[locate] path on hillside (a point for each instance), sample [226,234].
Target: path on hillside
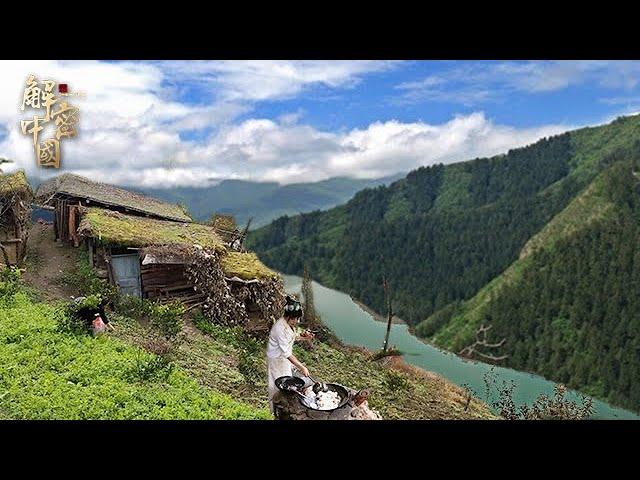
[47,262]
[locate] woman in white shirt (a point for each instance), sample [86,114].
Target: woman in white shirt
[280,357]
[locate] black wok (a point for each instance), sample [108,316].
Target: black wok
[297,384]
[290,384]
[331,387]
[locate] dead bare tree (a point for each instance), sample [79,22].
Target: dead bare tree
[481,342]
[243,235]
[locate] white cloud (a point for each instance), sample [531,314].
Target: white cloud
[474,83]
[259,80]
[133,133]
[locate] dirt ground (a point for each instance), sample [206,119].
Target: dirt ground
[47,262]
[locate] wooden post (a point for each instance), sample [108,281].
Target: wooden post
[389,313]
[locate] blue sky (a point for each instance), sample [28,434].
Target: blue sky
[193,123]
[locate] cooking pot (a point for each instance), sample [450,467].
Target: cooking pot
[296,384]
[331,387]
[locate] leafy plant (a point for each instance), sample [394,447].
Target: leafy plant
[9,283]
[85,280]
[167,318]
[396,381]
[46,373]
[67,316]
[150,368]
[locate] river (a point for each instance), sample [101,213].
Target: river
[354,326]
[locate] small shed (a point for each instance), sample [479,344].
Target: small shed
[15,211]
[167,260]
[66,193]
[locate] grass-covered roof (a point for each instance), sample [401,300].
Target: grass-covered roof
[246,266]
[114,228]
[16,182]
[117,229]
[77,186]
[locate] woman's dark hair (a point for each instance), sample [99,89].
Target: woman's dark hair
[292,308]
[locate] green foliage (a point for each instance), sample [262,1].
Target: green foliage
[250,350]
[558,407]
[166,318]
[49,374]
[66,314]
[9,284]
[396,381]
[84,279]
[150,368]
[251,361]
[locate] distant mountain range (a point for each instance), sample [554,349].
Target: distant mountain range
[265,201]
[531,258]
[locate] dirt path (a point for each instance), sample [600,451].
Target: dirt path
[47,262]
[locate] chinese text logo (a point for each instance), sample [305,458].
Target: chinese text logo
[63,115]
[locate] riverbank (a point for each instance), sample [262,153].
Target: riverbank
[395,320]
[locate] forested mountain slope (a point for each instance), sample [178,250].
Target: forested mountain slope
[443,232]
[569,307]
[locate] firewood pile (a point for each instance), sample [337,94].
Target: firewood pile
[225,300]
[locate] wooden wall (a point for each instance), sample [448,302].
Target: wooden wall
[14,236]
[66,221]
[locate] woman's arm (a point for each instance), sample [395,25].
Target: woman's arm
[298,365]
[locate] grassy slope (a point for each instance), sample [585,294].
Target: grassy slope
[228,361]
[591,205]
[49,374]
[46,373]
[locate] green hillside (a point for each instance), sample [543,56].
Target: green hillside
[569,307]
[538,243]
[443,232]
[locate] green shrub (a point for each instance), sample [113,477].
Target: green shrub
[150,368]
[396,381]
[85,280]
[250,362]
[9,284]
[250,350]
[67,318]
[167,318]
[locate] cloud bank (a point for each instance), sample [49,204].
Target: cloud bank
[135,125]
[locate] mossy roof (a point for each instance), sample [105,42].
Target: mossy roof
[114,228]
[245,265]
[15,182]
[109,195]
[117,229]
